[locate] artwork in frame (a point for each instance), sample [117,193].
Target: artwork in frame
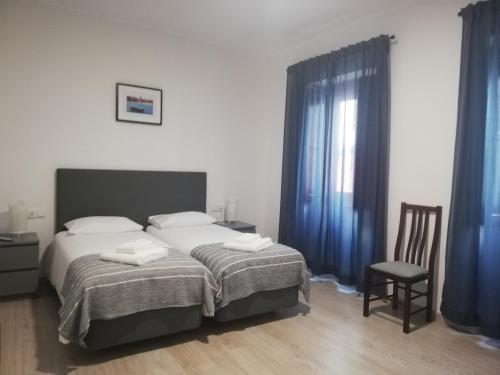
[138,104]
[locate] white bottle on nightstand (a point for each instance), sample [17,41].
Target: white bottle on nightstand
[18,213]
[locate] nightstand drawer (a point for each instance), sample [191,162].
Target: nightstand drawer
[18,282]
[18,257]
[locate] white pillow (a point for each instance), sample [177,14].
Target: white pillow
[181,219]
[102,224]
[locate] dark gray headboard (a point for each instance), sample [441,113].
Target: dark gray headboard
[134,194]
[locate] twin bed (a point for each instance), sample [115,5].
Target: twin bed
[106,304]
[276,272]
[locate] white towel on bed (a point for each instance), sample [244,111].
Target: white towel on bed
[253,246]
[138,246]
[248,237]
[145,257]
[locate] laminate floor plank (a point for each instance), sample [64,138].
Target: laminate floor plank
[331,337]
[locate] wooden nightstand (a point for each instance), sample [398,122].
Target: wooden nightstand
[240,226]
[19,264]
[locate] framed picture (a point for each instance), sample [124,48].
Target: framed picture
[138,104]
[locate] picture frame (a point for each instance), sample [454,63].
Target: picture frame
[139,104]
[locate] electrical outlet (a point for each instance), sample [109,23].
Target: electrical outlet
[36,213]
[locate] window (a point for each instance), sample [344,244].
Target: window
[315,147]
[345,147]
[343,143]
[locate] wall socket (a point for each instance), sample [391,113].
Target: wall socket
[37,213]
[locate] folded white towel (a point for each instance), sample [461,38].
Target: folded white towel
[253,247]
[134,247]
[145,257]
[248,237]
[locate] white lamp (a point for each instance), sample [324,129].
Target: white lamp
[18,213]
[231,209]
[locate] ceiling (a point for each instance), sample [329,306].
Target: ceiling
[253,26]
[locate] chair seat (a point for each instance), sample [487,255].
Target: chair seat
[401,269]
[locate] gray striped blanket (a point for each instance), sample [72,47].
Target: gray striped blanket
[95,289]
[239,273]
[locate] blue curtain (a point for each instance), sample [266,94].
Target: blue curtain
[335,160]
[471,293]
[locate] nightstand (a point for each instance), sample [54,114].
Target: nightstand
[19,264]
[240,226]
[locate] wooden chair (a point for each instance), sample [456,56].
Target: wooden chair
[409,267]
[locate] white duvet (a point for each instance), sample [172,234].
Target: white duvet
[67,247]
[186,239]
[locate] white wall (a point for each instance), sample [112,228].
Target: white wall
[224,112]
[58,71]
[424,90]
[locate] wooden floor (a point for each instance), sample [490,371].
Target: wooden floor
[330,338]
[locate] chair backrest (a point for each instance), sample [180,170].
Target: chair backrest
[414,247]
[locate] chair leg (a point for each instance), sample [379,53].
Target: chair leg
[430,298]
[407,308]
[395,297]
[368,284]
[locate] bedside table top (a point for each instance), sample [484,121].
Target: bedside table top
[20,240]
[236,225]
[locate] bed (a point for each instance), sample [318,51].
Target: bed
[138,195]
[132,194]
[248,283]
[91,289]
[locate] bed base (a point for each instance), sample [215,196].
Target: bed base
[259,303]
[140,326]
[155,323]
